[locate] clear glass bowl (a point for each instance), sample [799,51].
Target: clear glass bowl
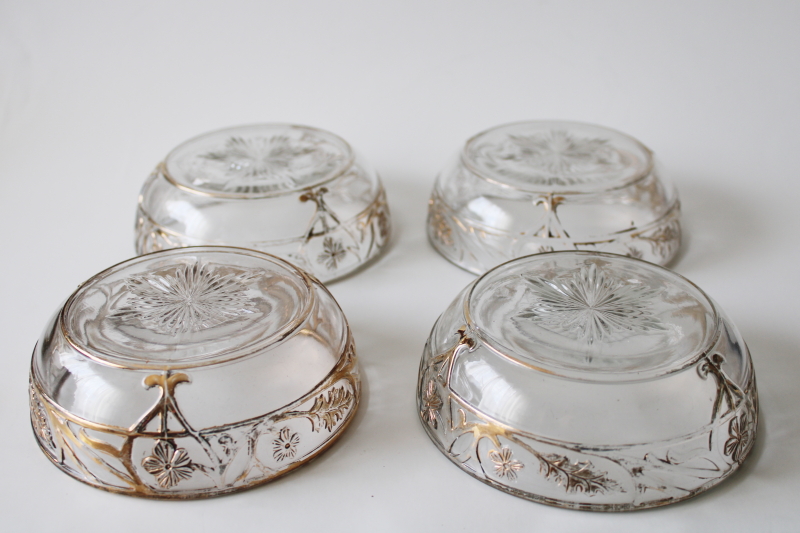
[533,187]
[193,372]
[296,192]
[589,381]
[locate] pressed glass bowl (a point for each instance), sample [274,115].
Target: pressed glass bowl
[296,192]
[191,373]
[589,381]
[533,187]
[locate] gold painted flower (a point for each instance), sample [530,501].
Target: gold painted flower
[739,441]
[285,446]
[431,403]
[504,465]
[168,464]
[332,253]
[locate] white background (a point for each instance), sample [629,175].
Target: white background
[94,94]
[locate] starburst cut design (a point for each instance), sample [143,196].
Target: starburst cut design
[263,164]
[189,298]
[554,158]
[591,306]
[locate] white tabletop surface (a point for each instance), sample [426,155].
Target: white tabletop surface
[94,94]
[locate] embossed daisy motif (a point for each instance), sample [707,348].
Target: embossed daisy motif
[333,252]
[285,446]
[737,444]
[504,465]
[431,403]
[263,164]
[188,298]
[592,305]
[168,464]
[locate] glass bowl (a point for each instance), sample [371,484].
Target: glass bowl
[533,187]
[589,381]
[191,373]
[296,192]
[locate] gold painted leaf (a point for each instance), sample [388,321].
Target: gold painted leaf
[576,477]
[329,409]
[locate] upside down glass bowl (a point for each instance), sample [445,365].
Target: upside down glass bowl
[191,373]
[296,192]
[589,381]
[533,187]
